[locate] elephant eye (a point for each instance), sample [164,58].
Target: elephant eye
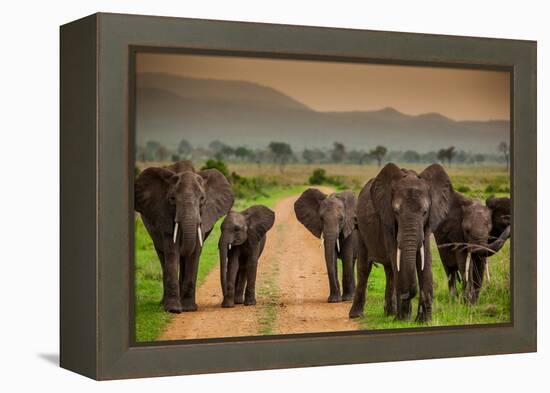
[172,199]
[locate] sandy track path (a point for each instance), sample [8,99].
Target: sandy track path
[291,286]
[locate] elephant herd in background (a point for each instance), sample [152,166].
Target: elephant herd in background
[390,223]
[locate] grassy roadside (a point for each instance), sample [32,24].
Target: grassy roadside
[150,317]
[493,305]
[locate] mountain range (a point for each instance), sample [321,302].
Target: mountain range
[171,108]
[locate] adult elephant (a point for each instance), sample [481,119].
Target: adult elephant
[396,213]
[470,233]
[179,207]
[332,219]
[241,244]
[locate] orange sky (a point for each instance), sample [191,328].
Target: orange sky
[330,86]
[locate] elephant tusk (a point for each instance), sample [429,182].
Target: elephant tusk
[422,258]
[229,246]
[322,241]
[337,244]
[175,231]
[467,267]
[398,259]
[200,235]
[487,272]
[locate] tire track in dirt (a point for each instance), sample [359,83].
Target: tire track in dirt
[292,289]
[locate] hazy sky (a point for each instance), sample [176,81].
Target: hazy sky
[330,86]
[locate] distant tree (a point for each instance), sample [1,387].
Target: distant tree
[243,153]
[338,152]
[216,146]
[151,150]
[411,156]
[357,156]
[184,148]
[282,153]
[162,153]
[461,157]
[310,156]
[505,150]
[446,155]
[479,158]
[140,153]
[378,154]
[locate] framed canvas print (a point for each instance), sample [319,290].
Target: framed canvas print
[240,196]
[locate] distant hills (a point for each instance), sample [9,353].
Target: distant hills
[170,108]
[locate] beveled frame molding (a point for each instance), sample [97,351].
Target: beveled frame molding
[96,195]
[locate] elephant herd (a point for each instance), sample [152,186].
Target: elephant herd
[391,222]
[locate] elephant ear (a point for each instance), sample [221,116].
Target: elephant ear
[350,200]
[259,220]
[219,198]
[307,210]
[381,194]
[440,194]
[150,193]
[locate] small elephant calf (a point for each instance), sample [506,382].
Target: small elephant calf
[241,244]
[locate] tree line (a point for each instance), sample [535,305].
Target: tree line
[282,153]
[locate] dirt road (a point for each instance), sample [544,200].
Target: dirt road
[292,289]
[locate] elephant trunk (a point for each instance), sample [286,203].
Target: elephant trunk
[494,247]
[408,247]
[189,233]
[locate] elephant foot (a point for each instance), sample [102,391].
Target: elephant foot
[356,312]
[239,299]
[250,301]
[172,305]
[347,297]
[334,298]
[228,303]
[189,305]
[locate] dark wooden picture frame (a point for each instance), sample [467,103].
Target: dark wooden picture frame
[97,168]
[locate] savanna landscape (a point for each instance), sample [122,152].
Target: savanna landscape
[216,135]
[281,308]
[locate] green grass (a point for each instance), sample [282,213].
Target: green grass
[150,316]
[493,305]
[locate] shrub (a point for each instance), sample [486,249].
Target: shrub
[463,188]
[319,176]
[219,165]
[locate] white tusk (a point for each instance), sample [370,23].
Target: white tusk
[200,235]
[398,258]
[422,257]
[322,241]
[176,231]
[487,271]
[230,246]
[467,267]
[337,244]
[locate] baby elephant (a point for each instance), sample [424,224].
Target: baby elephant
[241,244]
[332,219]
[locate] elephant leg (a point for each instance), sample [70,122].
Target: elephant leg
[425,283]
[161,260]
[171,299]
[189,281]
[390,300]
[478,272]
[363,271]
[241,282]
[232,270]
[452,283]
[251,269]
[348,277]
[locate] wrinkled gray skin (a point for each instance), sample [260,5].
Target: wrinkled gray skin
[400,209]
[193,200]
[332,216]
[245,233]
[466,238]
